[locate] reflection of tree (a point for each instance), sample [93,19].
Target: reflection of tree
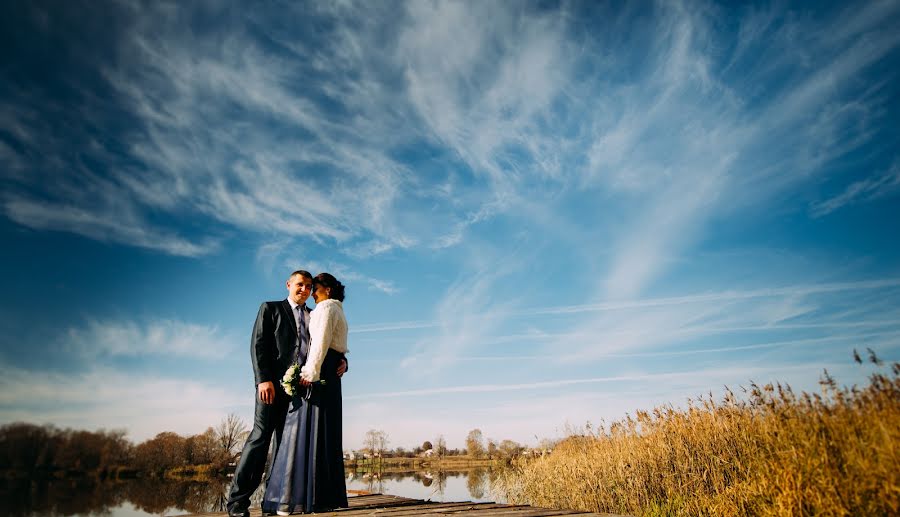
[438,484]
[494,483]
[63,498]
[475,482]
[372,481]
[257,497]
[20,498]
[205,497]
[157,495]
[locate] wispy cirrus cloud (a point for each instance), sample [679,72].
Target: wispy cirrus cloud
[778,294]
[342,272]
[791,320]
[104,398]
[111,226]
[156,337]
[662,325]
[868,189]
[461,327]
[319,135]
[691,141]
[741,374]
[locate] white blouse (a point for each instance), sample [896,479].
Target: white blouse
[327,329]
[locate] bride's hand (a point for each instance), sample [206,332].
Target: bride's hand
[304,382]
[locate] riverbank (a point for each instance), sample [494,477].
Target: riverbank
[404,464]
[208,471]
[184,473]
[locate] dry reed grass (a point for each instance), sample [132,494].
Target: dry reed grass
[771,453]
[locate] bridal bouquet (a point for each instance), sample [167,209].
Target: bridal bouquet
[291,381]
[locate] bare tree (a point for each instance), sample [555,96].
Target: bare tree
[475,443]
[440,446]
[370,442]
[228,435]
[491,447]
[202,449]
[383,441]
[376,441]
[510,449]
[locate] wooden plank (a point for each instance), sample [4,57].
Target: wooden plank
[425,508]
[494,509]
[383,505]
[517,512]
[369,498]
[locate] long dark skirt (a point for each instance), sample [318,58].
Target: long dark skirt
[308,469]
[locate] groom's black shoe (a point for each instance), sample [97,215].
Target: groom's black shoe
[238,512]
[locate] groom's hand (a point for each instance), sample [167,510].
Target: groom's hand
[342,368]
[266,392]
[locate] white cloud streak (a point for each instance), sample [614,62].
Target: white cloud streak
[162,338]
[795,291]
[109,399]
[342,272]
[861,191]
[741,373]
[121,227]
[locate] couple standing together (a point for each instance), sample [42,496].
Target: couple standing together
[307,472]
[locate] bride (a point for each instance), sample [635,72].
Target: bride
[307,472]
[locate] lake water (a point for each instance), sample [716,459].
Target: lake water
[155,497]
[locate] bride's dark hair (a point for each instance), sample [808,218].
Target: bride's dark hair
[328,280]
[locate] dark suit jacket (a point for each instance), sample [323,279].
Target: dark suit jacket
[274,341]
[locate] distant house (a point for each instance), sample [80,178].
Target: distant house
[429,453]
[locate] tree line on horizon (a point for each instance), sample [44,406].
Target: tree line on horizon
[44,450]
[375,444]
[32,450]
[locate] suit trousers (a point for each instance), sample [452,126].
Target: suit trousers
[267,419]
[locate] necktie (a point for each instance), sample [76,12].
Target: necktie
[302,335]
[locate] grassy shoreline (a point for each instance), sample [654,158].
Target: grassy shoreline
[407,464]
[208,471]
[777,453]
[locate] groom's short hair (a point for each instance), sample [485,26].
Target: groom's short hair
[303,273]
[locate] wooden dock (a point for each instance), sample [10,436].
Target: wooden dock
[395,506]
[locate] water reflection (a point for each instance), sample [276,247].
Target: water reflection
[89,497]
[71,498]
[437,485]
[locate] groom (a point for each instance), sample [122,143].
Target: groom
[280,337]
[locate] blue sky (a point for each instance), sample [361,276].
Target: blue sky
[545,213]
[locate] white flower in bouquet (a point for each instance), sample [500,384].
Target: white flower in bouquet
[291,379]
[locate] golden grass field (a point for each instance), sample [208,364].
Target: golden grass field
[772,452]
